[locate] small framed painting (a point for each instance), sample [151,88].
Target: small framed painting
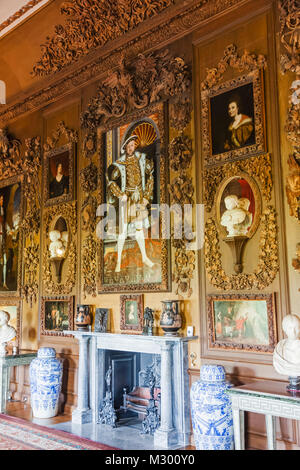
[101,320]
[132,312]
[233,118]
[245,321]
[57,315]
[59,174]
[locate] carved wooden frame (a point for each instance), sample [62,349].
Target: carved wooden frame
[68,212]
[257,196]
[11,301]
[4,183]
[71,148]
[70,300]
[140,306]
[256,78]
[271,312]
[165,284]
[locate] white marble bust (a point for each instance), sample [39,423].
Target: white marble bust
[56,247]
[7,332]
[286,357]
[234,218]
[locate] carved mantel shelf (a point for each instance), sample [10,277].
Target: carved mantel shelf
[176,22]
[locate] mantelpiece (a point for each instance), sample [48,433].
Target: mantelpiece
[175,426]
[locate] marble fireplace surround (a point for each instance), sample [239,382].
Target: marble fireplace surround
[175,428]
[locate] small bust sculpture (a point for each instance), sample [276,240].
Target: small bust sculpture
[234,218]
[7,332]
[56,247]
[286,357]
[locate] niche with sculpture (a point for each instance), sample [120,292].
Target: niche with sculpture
[238,210]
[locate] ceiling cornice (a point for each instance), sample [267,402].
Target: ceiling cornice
[159,31]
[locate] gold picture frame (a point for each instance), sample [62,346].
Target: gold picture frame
[131,308]
[57,315]
[225,139]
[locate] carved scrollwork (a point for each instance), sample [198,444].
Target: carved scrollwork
[245,63]
[68,212]
[147,80]
[89,266]
[10,163]
[293,187]
[61,130]
[268,261]
[92,24]
[180,153]
[259,168]
[289,17]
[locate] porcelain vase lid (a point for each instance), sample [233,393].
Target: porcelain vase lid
[212,373]
[46,352]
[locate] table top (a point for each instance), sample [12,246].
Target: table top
[276,390]
[21,356]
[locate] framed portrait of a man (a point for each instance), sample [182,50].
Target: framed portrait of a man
[133,251]
[233,118]
[57,315]
[11,215]
[59,174]
[131,312]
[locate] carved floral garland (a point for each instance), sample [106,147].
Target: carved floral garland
[268,264]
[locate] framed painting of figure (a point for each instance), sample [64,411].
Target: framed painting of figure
[233,118]
[131,312]
[59,174]
[57,315]
[238,206]
[12,308]
[245,322]
[133,248]
[11,215]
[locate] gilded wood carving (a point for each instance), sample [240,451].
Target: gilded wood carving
[92,24]
[268,261]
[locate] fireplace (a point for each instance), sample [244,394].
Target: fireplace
[128,355]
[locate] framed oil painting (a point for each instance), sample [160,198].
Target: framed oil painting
[57,315]
[233,118]
[133,251]
[131,312]
[238,206]
[244,322]
[11,216]
[13,308]
[59,174]
[101,324]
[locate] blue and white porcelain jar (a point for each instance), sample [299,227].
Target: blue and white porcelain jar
[45,383]
[211,410]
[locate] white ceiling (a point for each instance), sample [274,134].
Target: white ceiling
[10,7]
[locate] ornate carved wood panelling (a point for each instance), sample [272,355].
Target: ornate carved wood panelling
[92,24]
[289,35]
[61,130]
[268,261]
[10,163]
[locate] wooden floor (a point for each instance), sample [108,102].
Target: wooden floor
[21,410]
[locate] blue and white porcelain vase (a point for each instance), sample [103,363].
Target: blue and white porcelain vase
[45,383]
[211,410]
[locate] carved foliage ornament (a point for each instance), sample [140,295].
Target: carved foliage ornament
[90,24]
[289,17]
[147,80]
[259,168]
[10,163]
[61,130]
[68,212]
[268,263]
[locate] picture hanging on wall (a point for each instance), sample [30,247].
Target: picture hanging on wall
[244,322]
[59,174]
[133,251]
[233,118]
[11,215]
[13,308]
[131,312]
[57,315]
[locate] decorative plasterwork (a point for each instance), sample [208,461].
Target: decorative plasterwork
[177,24]
[61,130]
[92,24]
[68,212]
[268,261]
[146,80]
[259,168]
[22,12]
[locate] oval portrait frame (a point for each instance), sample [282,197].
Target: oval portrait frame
[257,197]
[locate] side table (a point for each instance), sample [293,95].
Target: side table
[11,360]
[268,398]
